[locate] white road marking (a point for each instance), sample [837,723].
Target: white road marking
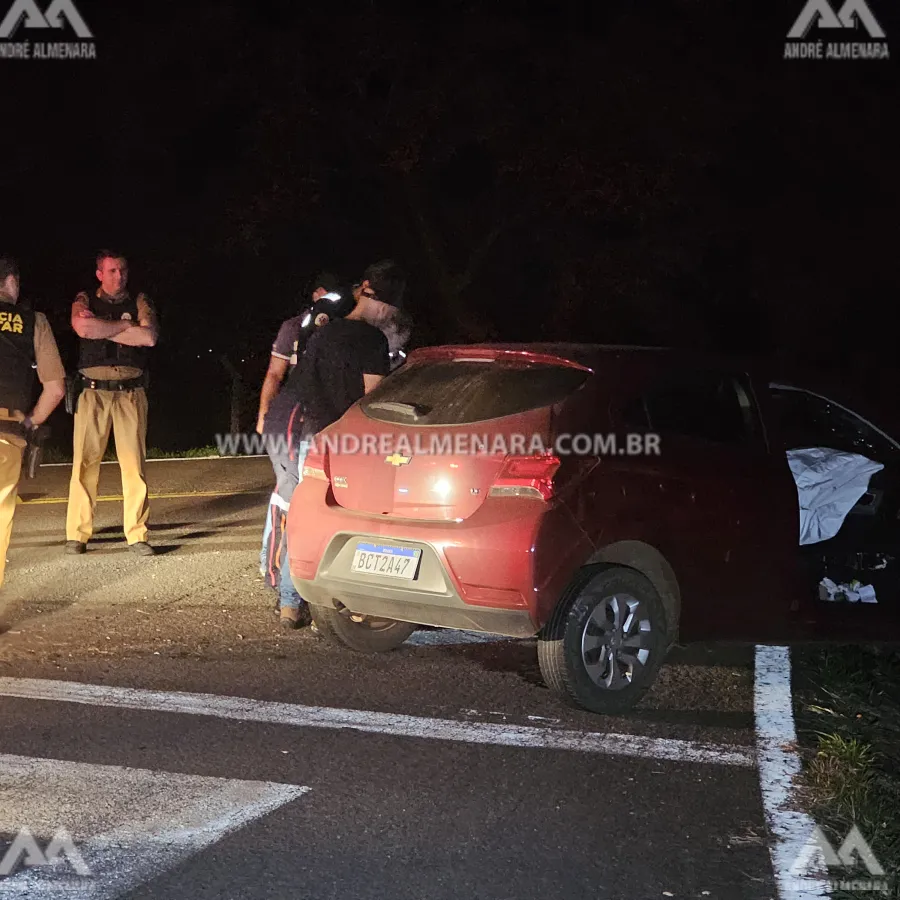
[249,710]
[130,825]
[779,765]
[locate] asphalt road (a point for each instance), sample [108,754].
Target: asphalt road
[152,710]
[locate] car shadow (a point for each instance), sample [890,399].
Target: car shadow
[702,718]
[508,656]
[519,657]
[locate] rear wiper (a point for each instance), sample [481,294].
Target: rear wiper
[413,410]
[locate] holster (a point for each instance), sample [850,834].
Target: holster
[34,450]
[74,386]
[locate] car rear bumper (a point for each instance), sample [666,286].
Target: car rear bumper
[432,599]
[500,571]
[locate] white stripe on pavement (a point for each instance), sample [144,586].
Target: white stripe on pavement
[779,765]
[393,724]
[126,826]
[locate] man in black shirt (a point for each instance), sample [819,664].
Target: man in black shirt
[343,361]
[348,358]
[340,367]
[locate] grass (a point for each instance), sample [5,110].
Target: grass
[848,724]
[194,452]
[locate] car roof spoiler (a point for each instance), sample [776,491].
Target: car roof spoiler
[488,354]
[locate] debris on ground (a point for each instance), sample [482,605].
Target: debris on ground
[854,592]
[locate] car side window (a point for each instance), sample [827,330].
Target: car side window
[709,406]
[806,420]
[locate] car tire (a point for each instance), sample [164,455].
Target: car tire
[612,613]
[338,627]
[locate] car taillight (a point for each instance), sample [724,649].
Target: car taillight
[316,467]
[526,476]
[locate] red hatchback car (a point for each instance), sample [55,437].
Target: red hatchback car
[609,500]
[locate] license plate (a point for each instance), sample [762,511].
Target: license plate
[382,559]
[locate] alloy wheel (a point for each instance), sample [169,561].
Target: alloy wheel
[615,642]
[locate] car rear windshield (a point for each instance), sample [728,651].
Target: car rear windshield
[460,393]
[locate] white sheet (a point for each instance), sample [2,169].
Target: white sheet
[829,484]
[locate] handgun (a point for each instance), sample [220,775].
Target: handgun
[35,449]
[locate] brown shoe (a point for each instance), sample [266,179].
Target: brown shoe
[290,618]
[142,548]
[76,546]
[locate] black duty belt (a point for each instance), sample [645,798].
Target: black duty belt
[96,384]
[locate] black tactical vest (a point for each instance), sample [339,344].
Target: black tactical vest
[17,362]
[109,353]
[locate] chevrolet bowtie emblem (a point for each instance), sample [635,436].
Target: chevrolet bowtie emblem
[398,460]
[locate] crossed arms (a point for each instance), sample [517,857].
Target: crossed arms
[143,333]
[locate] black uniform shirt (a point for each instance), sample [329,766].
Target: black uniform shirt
[328,379]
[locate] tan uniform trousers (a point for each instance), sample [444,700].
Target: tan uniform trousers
[125,414]
[10,469]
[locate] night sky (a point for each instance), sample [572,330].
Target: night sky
[648,173]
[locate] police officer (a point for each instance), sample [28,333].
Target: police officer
[115,331]
[26,344]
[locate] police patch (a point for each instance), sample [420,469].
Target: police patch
[11,322]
